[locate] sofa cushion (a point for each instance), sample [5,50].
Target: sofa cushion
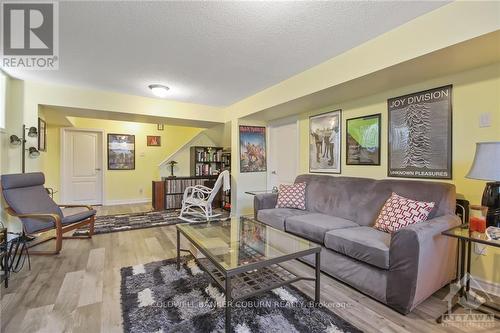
[362,243]
[314,226]
[275,217]
[399,212]
[292,196]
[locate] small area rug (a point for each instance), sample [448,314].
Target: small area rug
[122,222]
[155,297]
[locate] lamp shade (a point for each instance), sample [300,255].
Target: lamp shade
[486,165]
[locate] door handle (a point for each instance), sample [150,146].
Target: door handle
[273,172]
[97,169]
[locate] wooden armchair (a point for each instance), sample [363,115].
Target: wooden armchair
[28,200]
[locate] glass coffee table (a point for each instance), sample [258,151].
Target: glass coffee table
[243,257]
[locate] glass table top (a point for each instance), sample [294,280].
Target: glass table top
[241,242]
[463,232]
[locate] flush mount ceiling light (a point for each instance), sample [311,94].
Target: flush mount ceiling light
[159,90]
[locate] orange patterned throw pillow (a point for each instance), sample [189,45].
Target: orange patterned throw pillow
[292,196]
[399,212]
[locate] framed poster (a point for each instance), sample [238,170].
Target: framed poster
[420,134]
[42,135]
[363,140]
[253,149]
[324,142]
[121,152]
[153,140]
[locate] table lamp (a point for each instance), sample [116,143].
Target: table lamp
[486,166]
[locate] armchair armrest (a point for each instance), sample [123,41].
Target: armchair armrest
[55,217]
[421,261]
[76,206]
[264,201]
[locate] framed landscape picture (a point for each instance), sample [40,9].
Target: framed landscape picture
[153,140]
[324,142]
[253,149]
[121,152]
[363,140]
[420,134]
[42,135]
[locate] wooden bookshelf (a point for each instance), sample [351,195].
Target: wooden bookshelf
[171,190]
[208,161]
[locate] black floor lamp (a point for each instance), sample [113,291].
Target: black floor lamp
[486,166]
[32,132]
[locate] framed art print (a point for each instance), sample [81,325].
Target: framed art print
[153,140]
[42,135]
[121,152]
[363,140]
[253,149]
[420,134]
[324,142]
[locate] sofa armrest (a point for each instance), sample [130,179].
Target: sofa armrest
[421,261]
[264,201]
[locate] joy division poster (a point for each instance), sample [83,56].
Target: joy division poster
[420,134]
[121,152]
[324,142]
[363,140]
[252,149]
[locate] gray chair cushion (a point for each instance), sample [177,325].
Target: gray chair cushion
[275,217]
[362,243]
[78,217]
[25,194]
[314,226]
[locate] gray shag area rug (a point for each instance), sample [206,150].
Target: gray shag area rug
[122,222]
[155,297]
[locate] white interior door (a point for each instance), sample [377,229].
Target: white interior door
[283,152]
[82,167]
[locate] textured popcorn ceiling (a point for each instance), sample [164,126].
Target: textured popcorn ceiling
[213,53]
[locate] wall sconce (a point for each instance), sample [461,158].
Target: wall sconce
[32,132]
[33,152]
[15,140]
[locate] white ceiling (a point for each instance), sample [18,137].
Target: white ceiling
[213,53]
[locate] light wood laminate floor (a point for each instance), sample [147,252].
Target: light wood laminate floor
[79,289]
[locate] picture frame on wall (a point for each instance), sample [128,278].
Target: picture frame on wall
[121,152]
[420,134]
[325,132]
[252,148]
[153,141]
[363,140]
[42,135]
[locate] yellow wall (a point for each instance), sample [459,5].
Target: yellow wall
[474,92]
[121,185]
[433,31]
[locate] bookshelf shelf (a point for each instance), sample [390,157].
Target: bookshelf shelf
[208,161]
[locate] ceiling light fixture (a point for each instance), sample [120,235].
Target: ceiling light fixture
[159,90]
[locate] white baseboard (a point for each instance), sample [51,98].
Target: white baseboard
[126,201]
[490,287]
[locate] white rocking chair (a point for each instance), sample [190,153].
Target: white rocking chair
[197,200]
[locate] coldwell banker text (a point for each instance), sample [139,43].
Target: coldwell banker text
[30,35]
[428,97]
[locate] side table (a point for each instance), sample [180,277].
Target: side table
[466,240]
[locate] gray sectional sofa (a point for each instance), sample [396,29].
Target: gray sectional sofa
[400,270]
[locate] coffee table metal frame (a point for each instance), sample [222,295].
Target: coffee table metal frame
[251,279]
